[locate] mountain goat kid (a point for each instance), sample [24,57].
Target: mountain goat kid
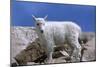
[55,33]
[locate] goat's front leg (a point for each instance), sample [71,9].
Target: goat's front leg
[49,52]
[49,58]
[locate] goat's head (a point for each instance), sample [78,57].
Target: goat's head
[39,23]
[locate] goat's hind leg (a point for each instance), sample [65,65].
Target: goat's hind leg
[76,54]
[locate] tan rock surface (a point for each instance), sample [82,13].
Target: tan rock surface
[26,49]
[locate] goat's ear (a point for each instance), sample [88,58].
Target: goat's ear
[34,17]
[45,17]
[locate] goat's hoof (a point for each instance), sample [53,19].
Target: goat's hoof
[47,61]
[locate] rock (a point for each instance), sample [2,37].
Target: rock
[26,48]
[35,53]
[86,36]
[20,39]
[90,53]
[30,53]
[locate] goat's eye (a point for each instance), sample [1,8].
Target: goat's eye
[41,31]
[37,24]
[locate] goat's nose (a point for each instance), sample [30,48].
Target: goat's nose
[41,31]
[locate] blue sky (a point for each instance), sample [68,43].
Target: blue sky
[21,13]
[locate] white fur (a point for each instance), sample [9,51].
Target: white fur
[58,33]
